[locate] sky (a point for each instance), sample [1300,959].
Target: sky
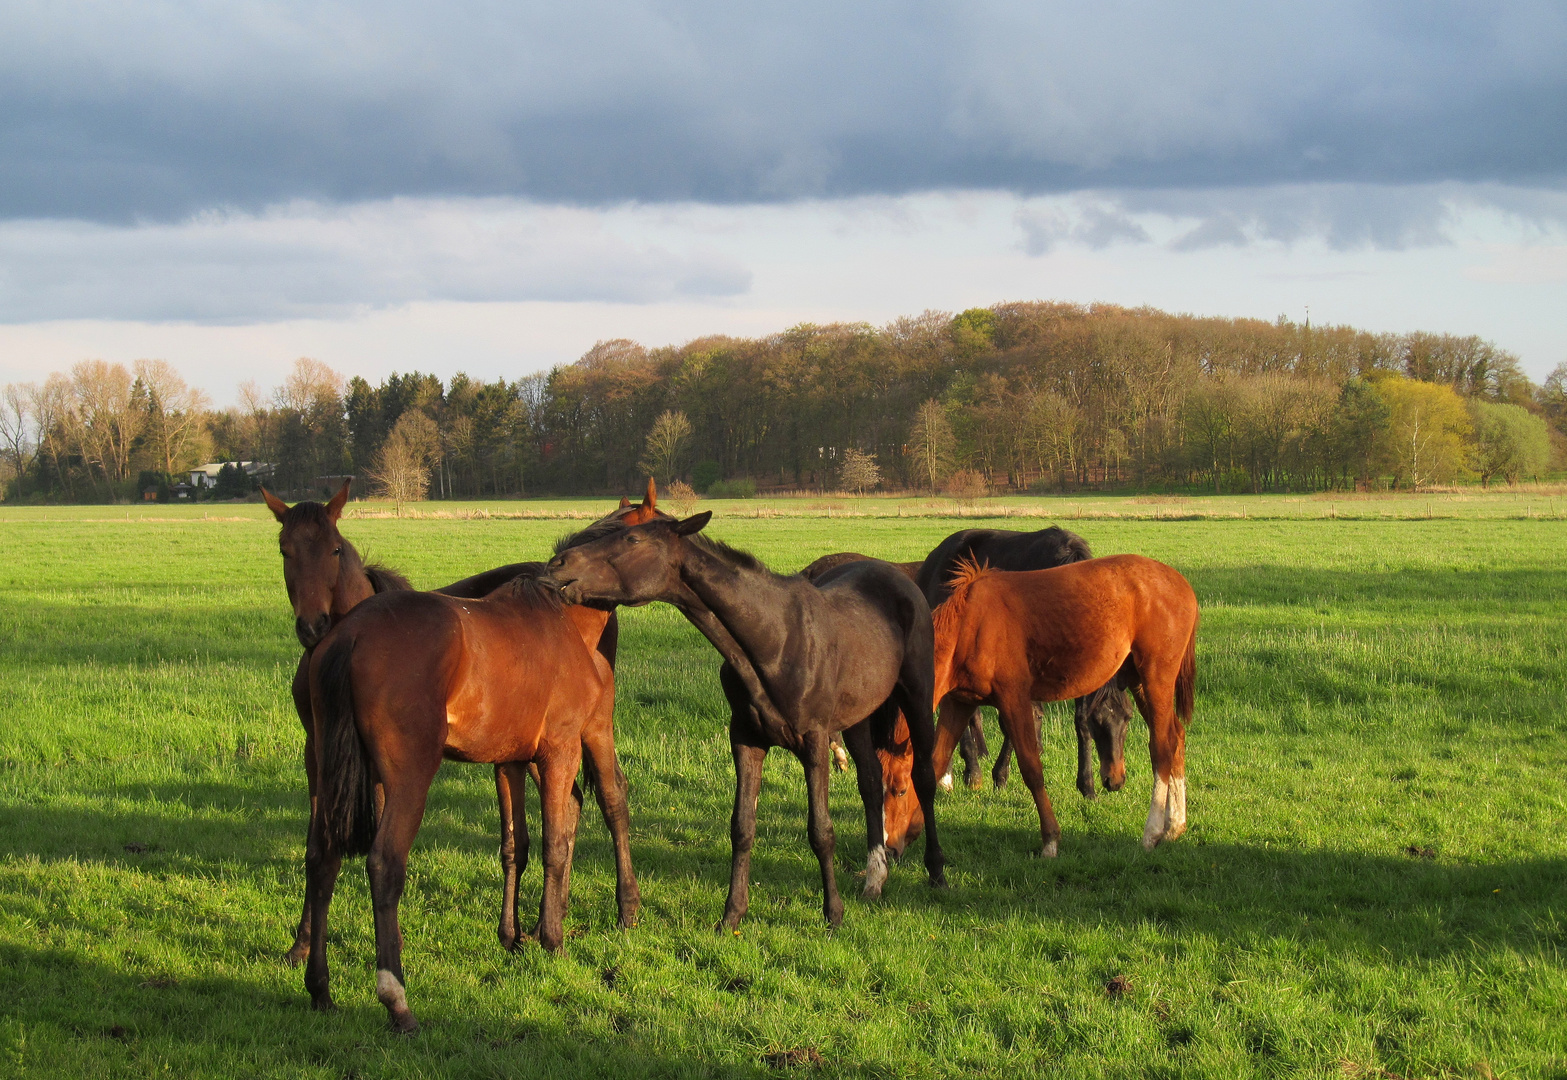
[493,187]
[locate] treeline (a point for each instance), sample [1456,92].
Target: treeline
[1019,396]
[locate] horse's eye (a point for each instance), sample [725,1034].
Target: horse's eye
[284,554]
[634,538]
[337,551]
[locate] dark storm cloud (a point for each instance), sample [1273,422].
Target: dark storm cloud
[157,110]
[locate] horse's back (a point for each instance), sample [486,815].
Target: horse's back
[1000,549]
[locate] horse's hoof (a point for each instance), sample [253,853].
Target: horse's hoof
[1050,850]
[945,783]
[1176,831]
[938,880]
[323,1003]
[404,1023]
[296,956]
[871,893]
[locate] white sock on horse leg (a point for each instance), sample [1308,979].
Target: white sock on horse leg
[1153,832]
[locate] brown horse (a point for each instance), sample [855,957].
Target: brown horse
[326,578]
[1008,639]
[408,678]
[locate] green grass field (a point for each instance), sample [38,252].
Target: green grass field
[1374,883]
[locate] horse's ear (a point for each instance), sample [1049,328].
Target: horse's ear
[693,524]
[624,502]
[650,500]
[334,509]
[275,504]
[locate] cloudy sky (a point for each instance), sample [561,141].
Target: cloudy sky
[494,186]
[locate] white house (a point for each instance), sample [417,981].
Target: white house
[206,476]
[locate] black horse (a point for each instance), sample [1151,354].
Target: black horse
[801,662]
[1101,717]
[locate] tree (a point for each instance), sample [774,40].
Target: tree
[858,471]
[1509,441]
[665,441]
[402,466]
[931,444]
[16,417]
[174,412]
[1427,426]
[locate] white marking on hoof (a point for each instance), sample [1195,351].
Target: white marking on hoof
[389,989]
[1153,832]
[1050,850]
[840,758]
[1176,824]
[945,783]
[875,871]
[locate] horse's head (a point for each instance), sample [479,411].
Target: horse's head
[611,562]
[1108,715]
[902,819]
[312,560]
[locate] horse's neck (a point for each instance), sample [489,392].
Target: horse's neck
[736,609]
[353,584]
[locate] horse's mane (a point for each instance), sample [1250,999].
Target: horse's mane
[1076,546]
[599,529]
[731,555]
[537,594]
[384,578]
[967,571]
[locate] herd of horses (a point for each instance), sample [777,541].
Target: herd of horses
[515,667]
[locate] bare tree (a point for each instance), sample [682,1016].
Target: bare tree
[107,423]
[859,471]
[16,417]
[665,441]
[52,404]
[174,413]
[402,465]
[931,444]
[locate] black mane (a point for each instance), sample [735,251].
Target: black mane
[539,594]
[601,528]
[732,555]
[384,578]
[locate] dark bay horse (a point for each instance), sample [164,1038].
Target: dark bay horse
[408,678]
[1100,718]
[326,578]
[1008,639]
[801,662]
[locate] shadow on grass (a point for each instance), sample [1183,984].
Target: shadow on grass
[1401,904]
[87,1018]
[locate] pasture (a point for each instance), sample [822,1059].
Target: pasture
[1374,883]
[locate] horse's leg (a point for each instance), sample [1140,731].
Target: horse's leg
[511,796]
[924,742]
[322,863]
[387,868]
[1017,720]
[1085,764]
[861,741]
[818,774]
[972,747]
[840,759]
[598,741]
[301,691]
[1167,749]
[749,748]
[561,802]
[952,718]
[1002,769]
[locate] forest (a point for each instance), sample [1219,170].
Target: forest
[1035,396]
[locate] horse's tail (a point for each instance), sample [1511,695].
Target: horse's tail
[347,791]
[1186,679]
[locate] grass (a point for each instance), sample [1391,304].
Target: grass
[1373,884]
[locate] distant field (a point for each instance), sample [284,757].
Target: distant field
[1374,883]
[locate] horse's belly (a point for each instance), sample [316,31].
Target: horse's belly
[1052,683]
[475,734]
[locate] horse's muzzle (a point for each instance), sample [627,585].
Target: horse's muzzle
[311,631]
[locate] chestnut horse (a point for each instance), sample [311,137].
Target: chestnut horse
[802,661]
[408,678]
[1008,639]
[326,578]
[1100,718]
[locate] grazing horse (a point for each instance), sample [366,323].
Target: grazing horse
[326,578]
[408,678]
[1008,639]
[801,662]
[1100,717]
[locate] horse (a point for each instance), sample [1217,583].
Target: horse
[326,578]
[801,662]
[840,757]
[408,678]
[1100,718]
[1008,639]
